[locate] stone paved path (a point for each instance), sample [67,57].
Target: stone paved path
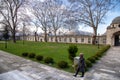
[108,68]
[16,68]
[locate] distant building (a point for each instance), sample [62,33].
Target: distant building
[111,37]
[73,36]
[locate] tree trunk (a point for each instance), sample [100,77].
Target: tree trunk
[45,36]
[5,43]
[94,36]
[55,36]
[13,37]
[35,36]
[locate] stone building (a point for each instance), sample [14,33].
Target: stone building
[113,32]
[111,36]
[73,36]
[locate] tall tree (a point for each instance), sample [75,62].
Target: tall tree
[91,12]
[40,12]
[56,16]
[24,23]
[9,11]
[29,18]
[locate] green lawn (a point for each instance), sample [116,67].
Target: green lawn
[58,51]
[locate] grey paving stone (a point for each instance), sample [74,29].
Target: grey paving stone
[107,68]
[14,75]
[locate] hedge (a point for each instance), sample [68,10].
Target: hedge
[62,64]
[25,54]
[100,53]
[48,60]
[39,57]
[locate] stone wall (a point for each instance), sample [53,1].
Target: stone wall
[110,34]
[69,39]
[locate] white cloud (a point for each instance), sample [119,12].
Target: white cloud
[85,28]
[102,27]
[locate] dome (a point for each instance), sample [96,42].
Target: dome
[116,20]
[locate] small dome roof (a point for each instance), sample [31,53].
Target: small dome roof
[116,20]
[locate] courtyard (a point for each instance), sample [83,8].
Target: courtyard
[57,51]
[16,68]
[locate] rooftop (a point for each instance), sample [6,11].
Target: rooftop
[116,20]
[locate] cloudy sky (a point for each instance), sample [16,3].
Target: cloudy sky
[102,27]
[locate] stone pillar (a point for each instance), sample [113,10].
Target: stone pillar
[109,37]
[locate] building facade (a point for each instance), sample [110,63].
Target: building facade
[70,38]
[113,32]
[111,37]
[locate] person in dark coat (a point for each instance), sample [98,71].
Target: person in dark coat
[81,66]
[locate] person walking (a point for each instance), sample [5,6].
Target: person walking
[81,66]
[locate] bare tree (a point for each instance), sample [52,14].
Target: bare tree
[9,11]
[32,19]
[71,24]
[24,21]
[91,12]
[40,12]
[36,25]
[56,16]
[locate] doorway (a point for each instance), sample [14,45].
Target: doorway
[117,40]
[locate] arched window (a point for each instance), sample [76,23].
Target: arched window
[59,38]
[89,40]
[65,39]
[76,39]
[51,39]
[82,39]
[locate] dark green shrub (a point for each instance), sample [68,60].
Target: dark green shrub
[106,48]
[96,57]
[25,54]
[102,51]
[48,60]
[72,50]
[62,64]
[88,64]
[86,69]
[91,59]
[31,55]
[39,57]
[98,54]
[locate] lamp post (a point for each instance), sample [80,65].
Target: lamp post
[50,36]
[23,33]
[98,40]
